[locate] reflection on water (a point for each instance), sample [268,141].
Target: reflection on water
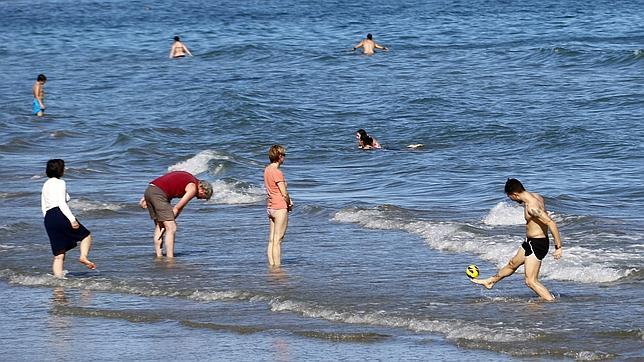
[58,296]
[281,350]
[59,327]
[165,263]
[277,275]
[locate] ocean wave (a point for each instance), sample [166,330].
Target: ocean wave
[13,195]
[82,171]
[213,296]
[16,144]
[598,56]
[116,286]
[130,316]
[241,329]
[451,329]
[138,316]
[343,337]
[13,228]
[579,264]
[592,273]
[84,205]
[63,134]
[236,192]
[505,214]
[198,163]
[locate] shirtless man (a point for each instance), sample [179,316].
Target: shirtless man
[157,197]
[368,45]
[39,95]
[178,49]
[535,248]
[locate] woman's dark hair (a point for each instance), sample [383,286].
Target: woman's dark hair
[176,38]
[55,168]
[365,138]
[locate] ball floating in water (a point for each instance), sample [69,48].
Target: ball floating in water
[472,271]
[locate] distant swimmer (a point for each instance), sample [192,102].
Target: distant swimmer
[62,227]
[39,95]
[178,49]
[365,141]
[279,204]
[157,197]
[536,245]
[368,45]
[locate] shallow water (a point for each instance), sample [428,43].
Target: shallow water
[547,92]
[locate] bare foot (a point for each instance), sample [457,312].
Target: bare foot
[485,282]
[87,263]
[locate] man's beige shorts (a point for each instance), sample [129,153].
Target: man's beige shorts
[159,206]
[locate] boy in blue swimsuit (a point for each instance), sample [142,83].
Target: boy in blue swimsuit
[39,95]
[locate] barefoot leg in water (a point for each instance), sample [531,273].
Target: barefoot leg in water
[517,260]
[85,245]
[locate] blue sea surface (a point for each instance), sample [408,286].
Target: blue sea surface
[549,92]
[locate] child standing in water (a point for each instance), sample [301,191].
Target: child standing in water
[279,204]
[39,95]
[62,227]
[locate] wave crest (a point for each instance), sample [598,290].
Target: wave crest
[504,214]
[452,329]
[236,192]
[198,163]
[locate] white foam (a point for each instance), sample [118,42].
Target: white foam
[234,193]
[213,296]
[439,236]
[198,163]
[579,264]
[87,205]
[371,219]
[505,214]
[452,329]
[120,287]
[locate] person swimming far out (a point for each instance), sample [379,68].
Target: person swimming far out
[369,46]
[178,49]
[365,141]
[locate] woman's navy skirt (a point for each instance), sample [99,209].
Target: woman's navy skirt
[61,234]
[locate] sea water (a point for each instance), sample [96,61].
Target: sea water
[549,92]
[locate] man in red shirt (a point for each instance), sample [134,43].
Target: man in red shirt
[157,197]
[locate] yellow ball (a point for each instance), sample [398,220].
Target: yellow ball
[472,271]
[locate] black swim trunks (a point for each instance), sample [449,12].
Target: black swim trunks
[538,246]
